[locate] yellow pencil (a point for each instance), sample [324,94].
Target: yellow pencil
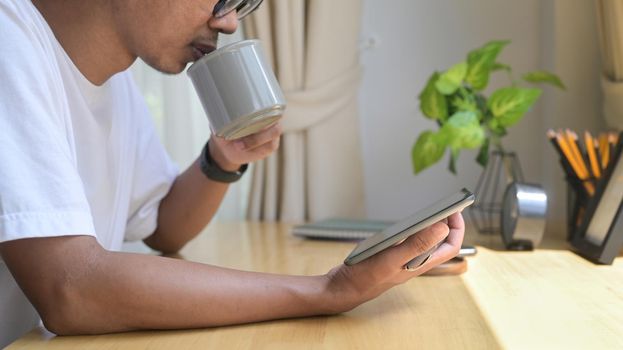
[604,150]
[592,157]
[564,147]
[613,140]
[572,139]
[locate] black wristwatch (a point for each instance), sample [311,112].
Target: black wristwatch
[214,172]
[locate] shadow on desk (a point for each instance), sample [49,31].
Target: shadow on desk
[494,241]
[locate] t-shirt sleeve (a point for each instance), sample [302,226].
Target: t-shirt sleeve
[41,193]
[154,174]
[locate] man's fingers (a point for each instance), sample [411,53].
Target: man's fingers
[455,221]
[452,245]
[261,138]
[457,229]
[418,243]
[250,148]
[262,151]
[266,149]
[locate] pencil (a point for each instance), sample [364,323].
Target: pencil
[582,150]
[613,139]
[551,135]
[592,157]
[597,153]
[590,189]
[604,150]
[572,140]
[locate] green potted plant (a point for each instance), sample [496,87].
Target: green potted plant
[468,119]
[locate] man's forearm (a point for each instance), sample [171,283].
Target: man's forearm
[186,210]
[129,291]
[193,199]
[78,287]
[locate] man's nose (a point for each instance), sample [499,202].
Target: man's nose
[226,24]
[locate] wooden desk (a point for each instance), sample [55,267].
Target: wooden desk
[549,298]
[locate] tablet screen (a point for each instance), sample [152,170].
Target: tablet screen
[414,223]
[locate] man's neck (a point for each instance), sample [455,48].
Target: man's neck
[86,31]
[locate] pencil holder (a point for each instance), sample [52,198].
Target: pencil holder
[577,199]
[595,197]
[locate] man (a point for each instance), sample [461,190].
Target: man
[81,170]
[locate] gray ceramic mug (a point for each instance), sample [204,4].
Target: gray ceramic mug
[238,89]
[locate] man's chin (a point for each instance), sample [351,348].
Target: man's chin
[178,70]
[167,68]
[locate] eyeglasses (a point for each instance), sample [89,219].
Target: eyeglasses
[242,7]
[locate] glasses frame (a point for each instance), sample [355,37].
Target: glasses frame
[218,7]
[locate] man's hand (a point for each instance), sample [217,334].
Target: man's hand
[353,285]
[193,198]
[230,155]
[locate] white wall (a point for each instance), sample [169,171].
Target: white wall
[414,38]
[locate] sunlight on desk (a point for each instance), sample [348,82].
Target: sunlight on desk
[549,298]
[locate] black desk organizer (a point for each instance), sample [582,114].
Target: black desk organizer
[584,212]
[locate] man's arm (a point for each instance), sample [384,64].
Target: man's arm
[79,288]
[194,199]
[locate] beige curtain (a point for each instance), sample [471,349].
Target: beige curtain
[317,172]
[610,21]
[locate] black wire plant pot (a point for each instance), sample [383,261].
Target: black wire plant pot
[502,169]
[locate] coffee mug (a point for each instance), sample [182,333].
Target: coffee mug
[237,89]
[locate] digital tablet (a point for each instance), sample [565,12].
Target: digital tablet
[407,227]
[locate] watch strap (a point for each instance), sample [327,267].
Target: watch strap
[214,172]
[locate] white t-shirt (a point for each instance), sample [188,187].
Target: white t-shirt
[75,158]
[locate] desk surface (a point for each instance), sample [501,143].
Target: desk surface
[549,298]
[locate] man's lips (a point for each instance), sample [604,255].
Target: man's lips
[199,50]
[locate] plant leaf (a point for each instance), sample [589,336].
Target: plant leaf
[496,128]
[481,62]
[501,66]
[426,151]
[544,77]
[432,103]
[451,79]
[481,104]
[462,130]
[461,102]
[483,154]
[509,104]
